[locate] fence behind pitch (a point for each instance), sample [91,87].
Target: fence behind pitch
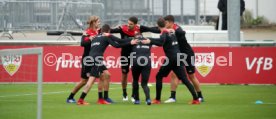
[47,15]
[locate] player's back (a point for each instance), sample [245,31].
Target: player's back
[183,44]
[170,45]
[141,49]
[98,45]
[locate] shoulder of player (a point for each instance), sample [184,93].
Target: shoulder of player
[180,31]
[108,38]
[90,32]
[123,26]
[176,27]
[104,37]
[164,35]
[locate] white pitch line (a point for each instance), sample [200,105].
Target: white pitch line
[30,94]
[268,104]
[47,93]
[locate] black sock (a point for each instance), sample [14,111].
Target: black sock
[132,95]
[158,92]
[124,92]
[105,94]
[100,95]
[190,88]
[71,96]
[159,86]
[199,94]
[83,94]
[137,97]
[173,93]
[146,91]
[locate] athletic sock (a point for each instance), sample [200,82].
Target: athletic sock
[159,86]
[83,95]
[199,94]
[173,93]
[105,94]
[100,95]
[124,92]
[132,95]
[71,96]
[146,91]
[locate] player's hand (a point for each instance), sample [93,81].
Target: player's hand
[91,37]
[133,42]
[171,30]
[84,33]
[138,25]
[146,41]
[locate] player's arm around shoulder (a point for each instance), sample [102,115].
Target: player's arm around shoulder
[149,29]
[85,40]
[117,42]
[116,30]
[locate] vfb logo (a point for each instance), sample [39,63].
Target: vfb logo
[204,63]
[11,63]
[263,63]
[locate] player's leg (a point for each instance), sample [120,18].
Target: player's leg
[100,87]
[174,85]
[86,89]
[78,86]
[163,72]
[125,70]
[106,76]
[84,78]
[101,84]
[179,71]
[190,69]
[89,84]
[145,78]
[124,85]
[136,71]
[196,84]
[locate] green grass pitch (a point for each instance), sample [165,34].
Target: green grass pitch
[18,101]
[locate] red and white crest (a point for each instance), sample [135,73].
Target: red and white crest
[11,63]
[204,63]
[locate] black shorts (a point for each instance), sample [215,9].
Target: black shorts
[125,60]
[190,66]
[165,70]
[190,69]
[96,71]
[85,71]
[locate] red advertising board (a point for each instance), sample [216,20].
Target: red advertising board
[231,65]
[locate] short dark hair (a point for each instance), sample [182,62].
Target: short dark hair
[169,18]
[105,28]
[161,22]
[133,19]
[138,35]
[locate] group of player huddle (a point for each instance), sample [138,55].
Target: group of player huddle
[95,40]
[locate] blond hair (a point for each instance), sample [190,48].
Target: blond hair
[92,19]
